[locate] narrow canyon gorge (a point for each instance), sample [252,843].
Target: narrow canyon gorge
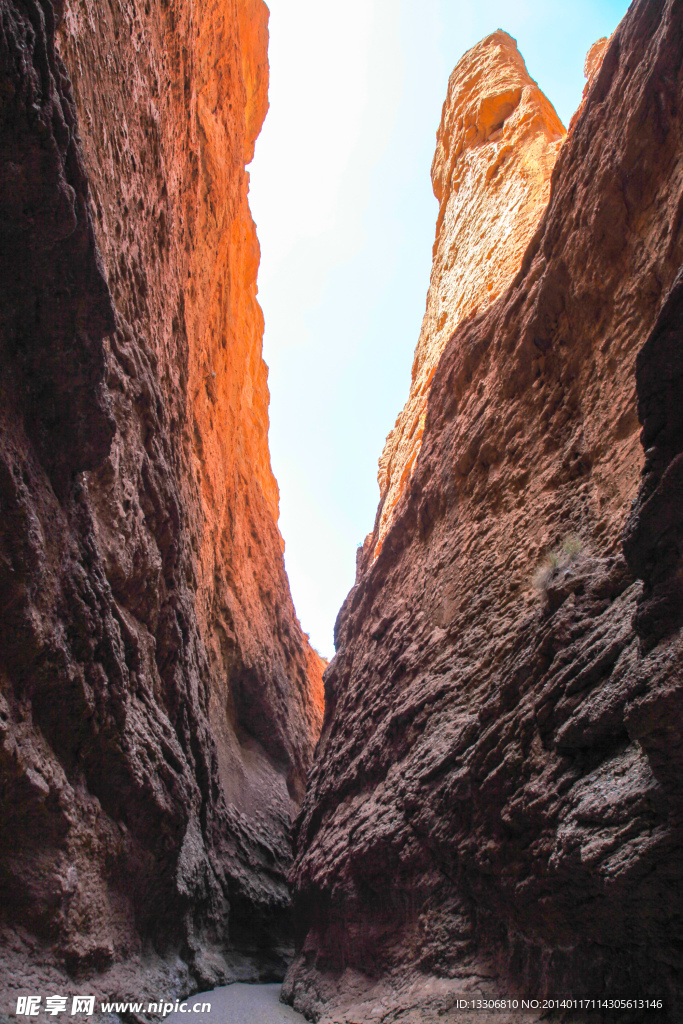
[482,798]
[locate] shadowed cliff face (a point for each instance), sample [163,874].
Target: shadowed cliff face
[495,805]
[496,147]
[159,704]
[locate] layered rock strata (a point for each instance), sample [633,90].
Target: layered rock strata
[159,703]
[496,147]
[495,805]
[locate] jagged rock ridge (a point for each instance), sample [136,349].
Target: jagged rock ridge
[159,703]
[496,147]
[495,804]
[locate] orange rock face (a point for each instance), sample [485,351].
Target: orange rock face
[496,147]
[168,178]
[591,67]
[159,702]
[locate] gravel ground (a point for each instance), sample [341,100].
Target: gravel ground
[238,1004]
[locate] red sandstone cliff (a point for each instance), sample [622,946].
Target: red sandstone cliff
[159,704]
[495,150]
[495,804]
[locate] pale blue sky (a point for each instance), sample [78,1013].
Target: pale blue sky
[342,198]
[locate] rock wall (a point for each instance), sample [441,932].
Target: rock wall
[495,805]
[495,150]
[159,703]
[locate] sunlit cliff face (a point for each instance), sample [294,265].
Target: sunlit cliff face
[496,147]
[149,647]
[228,388]
[179,106]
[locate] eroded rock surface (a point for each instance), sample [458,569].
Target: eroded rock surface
[496,147]
[159,704]
[495,805]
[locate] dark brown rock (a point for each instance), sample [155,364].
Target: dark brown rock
[653,538]
[159,703]
[495,805]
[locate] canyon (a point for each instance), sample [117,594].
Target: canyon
[159,702]
[480,798]
[494,807]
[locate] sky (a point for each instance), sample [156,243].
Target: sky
[341,194]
